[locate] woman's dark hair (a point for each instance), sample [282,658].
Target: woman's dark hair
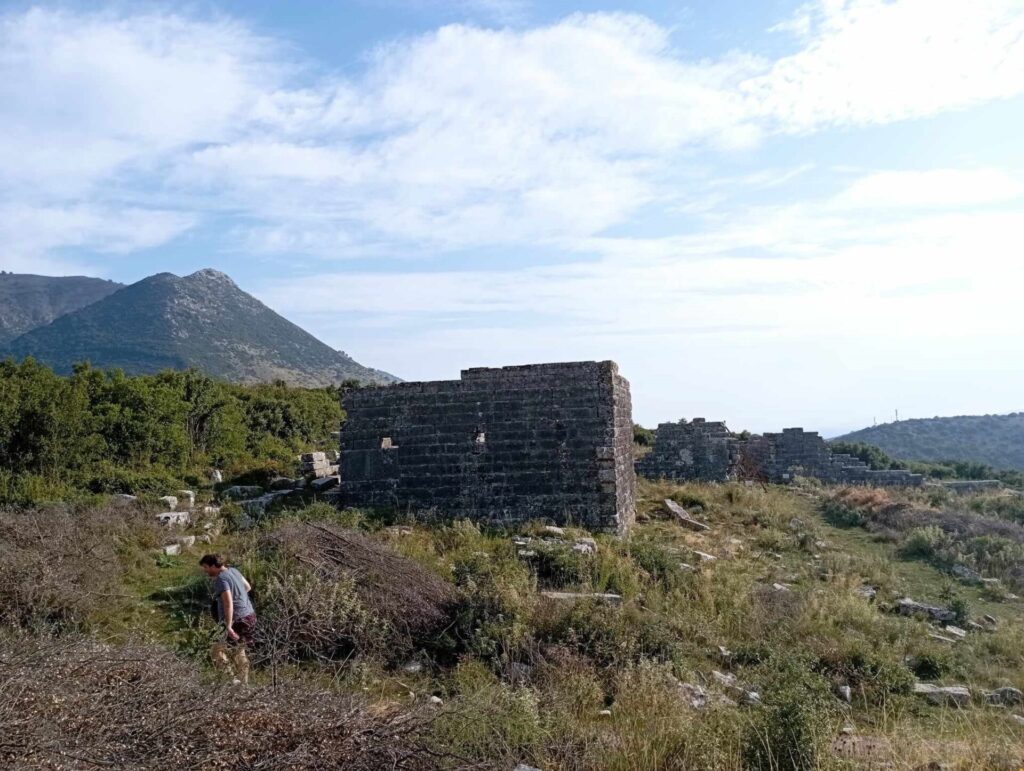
[212,561]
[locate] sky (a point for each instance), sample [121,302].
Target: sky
[771,213]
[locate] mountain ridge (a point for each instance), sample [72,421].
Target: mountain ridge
[28,301]
[996,440]
[202,320]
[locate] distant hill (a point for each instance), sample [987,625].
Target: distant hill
[28,302]
[996,440]
[204,321]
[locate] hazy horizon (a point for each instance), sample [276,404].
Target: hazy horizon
[771,214]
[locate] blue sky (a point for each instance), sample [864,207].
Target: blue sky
[773,213]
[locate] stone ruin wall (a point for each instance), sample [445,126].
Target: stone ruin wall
[699,450]
[708,451]
[542,441]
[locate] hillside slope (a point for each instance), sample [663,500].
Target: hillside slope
[202,320]
[28,302]
[997,440]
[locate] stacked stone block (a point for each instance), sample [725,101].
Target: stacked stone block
[551,441]
[317,465]
[696,450]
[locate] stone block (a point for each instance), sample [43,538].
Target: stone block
[173,518]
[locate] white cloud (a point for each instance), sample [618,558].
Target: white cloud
[879,61]
[935,188]
[461,137]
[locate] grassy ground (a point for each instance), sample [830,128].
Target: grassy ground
[591,684]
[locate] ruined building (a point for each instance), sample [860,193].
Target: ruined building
[549,441]
[696,450]
[705,451]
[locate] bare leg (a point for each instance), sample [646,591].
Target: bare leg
[219,656]
[241,662]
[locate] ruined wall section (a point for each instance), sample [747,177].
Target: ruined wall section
[705,451]
[699,450]
[549,441]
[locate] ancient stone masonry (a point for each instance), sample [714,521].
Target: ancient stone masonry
[550,441]
[709,452]
[694,450]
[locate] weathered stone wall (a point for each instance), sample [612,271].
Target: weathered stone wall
[547,441]
[708,451]
[696,450]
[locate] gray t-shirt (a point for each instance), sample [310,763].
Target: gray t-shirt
[231,580]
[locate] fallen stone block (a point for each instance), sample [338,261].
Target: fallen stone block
[241,492]
[312,457]
[187,497]
[956,631]
[704,556]
[867,592]
[170,502]
[684,518]
[281,483]
[172,550]
[909,607]
[944,695]
[554,530]
[258,506]
[173,518]
[125,497]
[1007,696]
[585,546]
[613,599]
[325,483]
[730,684]
[965,574]
[942,637]
[186,541]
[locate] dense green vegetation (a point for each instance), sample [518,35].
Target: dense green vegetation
[877,458]
[993,440]
[105,432]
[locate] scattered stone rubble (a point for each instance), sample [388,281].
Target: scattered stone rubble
[708,451]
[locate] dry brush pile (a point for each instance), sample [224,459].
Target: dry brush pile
[333,593]
[79,704]
[61,563]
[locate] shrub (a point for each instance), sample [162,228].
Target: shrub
[795,724]
[927,543]
[867,671]
[306,616]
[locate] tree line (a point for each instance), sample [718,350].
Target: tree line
[104,431]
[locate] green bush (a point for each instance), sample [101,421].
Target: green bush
[794,726]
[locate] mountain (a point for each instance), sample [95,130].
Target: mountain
[204,321]
[996,440]
[28,302]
